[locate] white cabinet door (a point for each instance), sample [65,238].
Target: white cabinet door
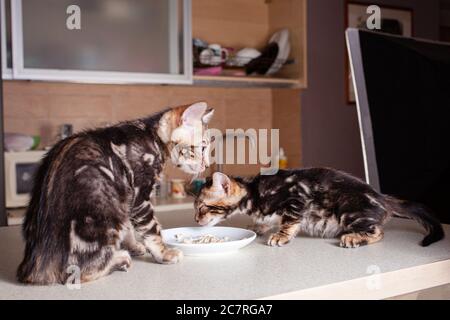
[6,38]
[102,41]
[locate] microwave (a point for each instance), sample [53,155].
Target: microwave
[20,168]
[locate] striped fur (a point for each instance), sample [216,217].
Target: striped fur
[90,206]
[319,202]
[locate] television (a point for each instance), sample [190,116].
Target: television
[402,90]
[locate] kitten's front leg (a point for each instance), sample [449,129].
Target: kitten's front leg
[160,252]
[149,229]
[129,243]
[288,230]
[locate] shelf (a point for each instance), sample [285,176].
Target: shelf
[250,23]
[229,81]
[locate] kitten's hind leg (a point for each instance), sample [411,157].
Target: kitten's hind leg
[102,263]
[357,239]
[149,229]
[94,252]
[363,226]
[288,230]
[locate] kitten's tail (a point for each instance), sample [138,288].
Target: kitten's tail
[422,215]
[42,252]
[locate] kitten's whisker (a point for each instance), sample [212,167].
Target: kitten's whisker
[190,193]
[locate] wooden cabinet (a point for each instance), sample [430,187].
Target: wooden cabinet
[146,41]
[250,23]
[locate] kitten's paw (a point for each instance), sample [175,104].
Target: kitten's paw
[138,249]
[278,239]
[171,256]
[352,240]
[122,261]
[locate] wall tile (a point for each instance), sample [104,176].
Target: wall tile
[79,106]
[40,108]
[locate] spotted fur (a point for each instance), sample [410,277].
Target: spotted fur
[90,206]
[319,202]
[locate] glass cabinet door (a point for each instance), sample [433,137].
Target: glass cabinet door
[140,41]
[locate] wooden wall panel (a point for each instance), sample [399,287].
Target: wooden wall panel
[233,23]
[42,107]
[291,14]
[286,116]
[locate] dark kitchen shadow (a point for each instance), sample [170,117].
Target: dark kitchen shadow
[8,268]
[11,254]
[9,276]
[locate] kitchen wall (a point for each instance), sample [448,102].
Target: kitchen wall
[330,132]
[34,107]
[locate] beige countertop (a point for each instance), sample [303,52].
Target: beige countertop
[306,268]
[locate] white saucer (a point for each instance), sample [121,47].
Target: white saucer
[239,238]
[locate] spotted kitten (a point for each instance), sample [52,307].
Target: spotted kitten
[90,206]
[317,201]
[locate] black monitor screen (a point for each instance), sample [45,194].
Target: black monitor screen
[408,92]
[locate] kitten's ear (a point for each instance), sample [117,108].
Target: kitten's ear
[194,113]
[221,183]
[208,116]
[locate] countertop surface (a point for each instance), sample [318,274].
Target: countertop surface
[257,271]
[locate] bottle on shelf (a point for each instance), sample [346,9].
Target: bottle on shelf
[282,160]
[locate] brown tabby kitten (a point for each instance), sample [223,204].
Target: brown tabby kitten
[317,201]
[90,205]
